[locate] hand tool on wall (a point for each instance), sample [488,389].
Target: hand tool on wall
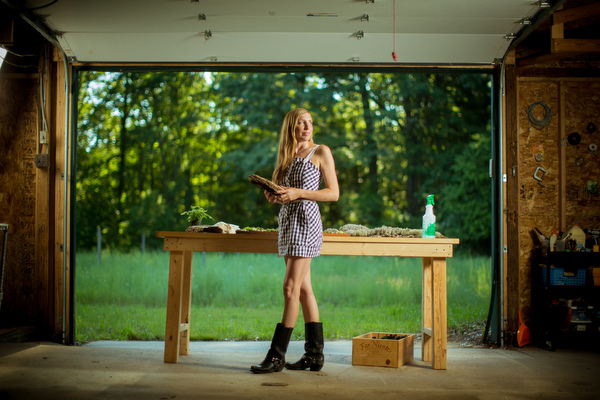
[539,174]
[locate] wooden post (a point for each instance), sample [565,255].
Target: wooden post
[562,161]
[186,304]
[510,294]
[439,313]
[59,267]
[174,295]
[58,172]
[426,304]
[44,218]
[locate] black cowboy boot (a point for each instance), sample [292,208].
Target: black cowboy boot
[313,357]
[275,359]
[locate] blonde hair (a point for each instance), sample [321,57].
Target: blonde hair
[287,144]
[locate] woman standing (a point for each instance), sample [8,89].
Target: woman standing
[301,166]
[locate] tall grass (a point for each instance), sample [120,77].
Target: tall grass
[239,296]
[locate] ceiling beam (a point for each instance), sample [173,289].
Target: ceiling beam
[277,66]
[7,30]
[560,47]
[575,46]
[537,20]
[576,13]
[572,47]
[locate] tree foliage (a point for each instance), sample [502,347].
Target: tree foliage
[153,144]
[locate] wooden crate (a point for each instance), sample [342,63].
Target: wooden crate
[370,349]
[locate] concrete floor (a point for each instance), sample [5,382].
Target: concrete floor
[220,370]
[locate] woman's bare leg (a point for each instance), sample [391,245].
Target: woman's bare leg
[310,309]
[313,357]
[296,270]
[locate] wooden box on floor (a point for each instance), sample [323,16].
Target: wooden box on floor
[371,349]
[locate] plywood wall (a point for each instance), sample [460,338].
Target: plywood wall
[37,285]
[559,197]
[582,167]
[18,144]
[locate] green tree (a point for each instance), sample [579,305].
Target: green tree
[467,209]
[152,144]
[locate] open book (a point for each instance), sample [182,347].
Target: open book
[263,183]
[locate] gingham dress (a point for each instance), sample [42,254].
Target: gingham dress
[300,225]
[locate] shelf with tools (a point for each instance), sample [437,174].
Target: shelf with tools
[566,300]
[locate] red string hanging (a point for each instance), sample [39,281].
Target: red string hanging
[394,56]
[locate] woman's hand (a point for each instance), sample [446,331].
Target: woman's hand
[286,195]
[271,198]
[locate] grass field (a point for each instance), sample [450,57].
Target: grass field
[239,296]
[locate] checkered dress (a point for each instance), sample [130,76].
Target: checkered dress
[300,225]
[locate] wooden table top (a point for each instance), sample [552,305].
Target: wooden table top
[333,244]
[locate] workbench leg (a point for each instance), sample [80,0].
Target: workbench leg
[426,310]
[186,304]
[172,335]
[440,314]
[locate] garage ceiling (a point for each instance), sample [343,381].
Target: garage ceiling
[284,31]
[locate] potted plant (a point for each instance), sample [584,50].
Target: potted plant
[196,215]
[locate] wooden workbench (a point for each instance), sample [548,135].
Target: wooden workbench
[434,252]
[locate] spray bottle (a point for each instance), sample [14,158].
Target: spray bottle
[429,219]
[553,240]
